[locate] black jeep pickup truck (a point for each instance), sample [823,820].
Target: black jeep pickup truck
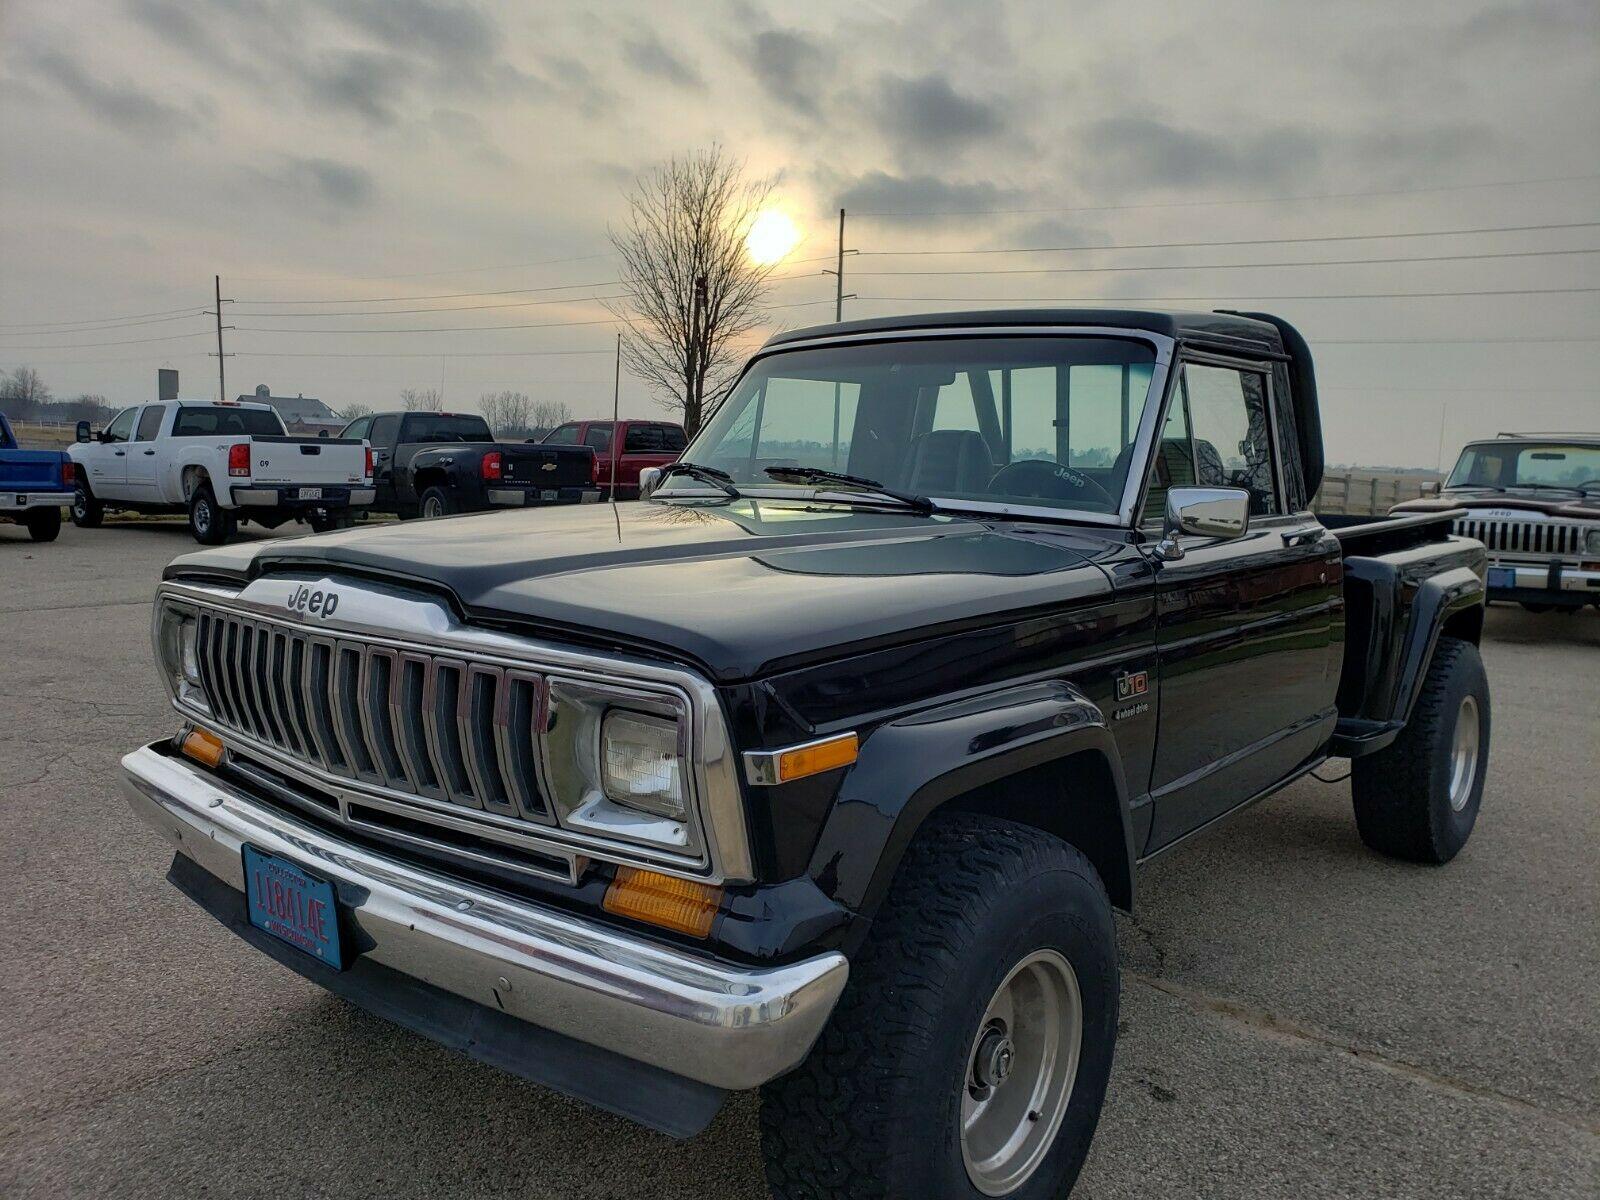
[823,769]
[433,464]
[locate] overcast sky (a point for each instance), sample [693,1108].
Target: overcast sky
[354,150]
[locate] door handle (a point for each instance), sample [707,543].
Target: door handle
[119,453]
[149,453]
[1301,537]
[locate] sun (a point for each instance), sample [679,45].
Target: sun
[773,234]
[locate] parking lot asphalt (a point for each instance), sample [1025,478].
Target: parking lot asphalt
[1299,1017]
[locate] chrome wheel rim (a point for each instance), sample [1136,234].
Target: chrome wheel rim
[1019,1072]
[1464,753]
[432,508]
[80,504]
[202,517]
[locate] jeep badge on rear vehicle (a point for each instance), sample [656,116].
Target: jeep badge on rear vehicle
[316,604]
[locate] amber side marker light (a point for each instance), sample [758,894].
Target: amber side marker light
[203,747]
[679,904]
[817,758]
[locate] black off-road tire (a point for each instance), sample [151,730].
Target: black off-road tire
[209,522]
[875,1110]
[44,524]
[1402,793]
[87,512]
[436,496]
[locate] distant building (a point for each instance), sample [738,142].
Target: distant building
[301,414]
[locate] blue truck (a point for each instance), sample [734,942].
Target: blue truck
[35,485]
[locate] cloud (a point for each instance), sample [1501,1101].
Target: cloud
[452,35]
[790,67]
[175,23]
[338,185]
[650,55]
[1130,151]
[886,194]
[368,83]
[122,105]
[925,112]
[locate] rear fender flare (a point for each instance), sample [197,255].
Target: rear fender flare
[1436,602]
[908,769]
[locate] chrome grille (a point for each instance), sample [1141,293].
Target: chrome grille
[427,724]
[1547,538]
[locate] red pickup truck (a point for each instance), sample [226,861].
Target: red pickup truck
[644,444]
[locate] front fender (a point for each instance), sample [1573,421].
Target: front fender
[908,768]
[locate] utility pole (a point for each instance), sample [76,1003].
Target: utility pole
[692,398]
[839,295]
[616,417]
[222,375]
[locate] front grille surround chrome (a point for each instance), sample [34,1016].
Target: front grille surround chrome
[467,766]
[1528,539]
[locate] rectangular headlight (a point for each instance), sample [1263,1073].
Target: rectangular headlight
[178,653]
[641,763]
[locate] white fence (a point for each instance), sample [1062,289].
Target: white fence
[1370,493]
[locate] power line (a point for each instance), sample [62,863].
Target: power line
[540,262]
[343,332]
[1458,187]
[173,337]
[170,314]
[395,312]
[1304,262]
[1135,301]
[1339,237]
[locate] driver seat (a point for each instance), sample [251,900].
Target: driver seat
[950,460]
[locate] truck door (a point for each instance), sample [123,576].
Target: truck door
[142,457]
[1244,627]
[106,461]
[385,437]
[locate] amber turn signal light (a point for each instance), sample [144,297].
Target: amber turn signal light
[203,746]
[817,757]
[679,904]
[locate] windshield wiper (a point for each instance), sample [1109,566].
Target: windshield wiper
[720,480]
[819,475]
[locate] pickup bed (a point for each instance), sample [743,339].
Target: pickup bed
[645,444]
[822,770]
[220,464]
[433,464]
[35,485]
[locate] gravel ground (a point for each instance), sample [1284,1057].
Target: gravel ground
[1300,1018]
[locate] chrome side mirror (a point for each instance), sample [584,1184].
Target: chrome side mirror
[649,481]
[1222,513]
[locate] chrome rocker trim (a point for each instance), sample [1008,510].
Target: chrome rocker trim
[726,1026]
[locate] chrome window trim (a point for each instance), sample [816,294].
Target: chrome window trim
[406,620]
[1165,349]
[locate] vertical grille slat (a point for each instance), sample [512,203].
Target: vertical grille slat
[420,725]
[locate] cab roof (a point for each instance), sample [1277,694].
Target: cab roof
[1221,330]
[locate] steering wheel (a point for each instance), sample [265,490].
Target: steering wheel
[1046,480]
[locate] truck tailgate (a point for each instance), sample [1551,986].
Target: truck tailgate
[29,469]
[537,465]
[307,460]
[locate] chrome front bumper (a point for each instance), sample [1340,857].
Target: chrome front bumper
[723,1025]
[1537,577]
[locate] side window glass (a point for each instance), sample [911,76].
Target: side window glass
[358,429]
[149,423]
[598,436]
[954,407]
[565,435]
[383,430]
[121,426]
[672,439]
[642,439]
[1231,440]
[1030,412]
[1172,465]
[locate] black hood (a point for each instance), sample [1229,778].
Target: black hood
[735,587]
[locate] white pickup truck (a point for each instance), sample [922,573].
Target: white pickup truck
[222,463]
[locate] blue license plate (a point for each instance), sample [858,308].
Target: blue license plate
[1502,577]
[292,906]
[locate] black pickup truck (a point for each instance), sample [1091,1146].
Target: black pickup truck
[822,770]
[433,464]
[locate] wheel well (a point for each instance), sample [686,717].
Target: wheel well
[1075,799]
[193,477]
[1466,624]
[430,477]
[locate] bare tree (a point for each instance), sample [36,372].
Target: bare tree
[24,385]
[506,412]
[351,411]
[547,414]
[691,288]
[422,399]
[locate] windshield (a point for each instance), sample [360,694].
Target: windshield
[1511,464]
[206,422]
[1035,421]
[442,427]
